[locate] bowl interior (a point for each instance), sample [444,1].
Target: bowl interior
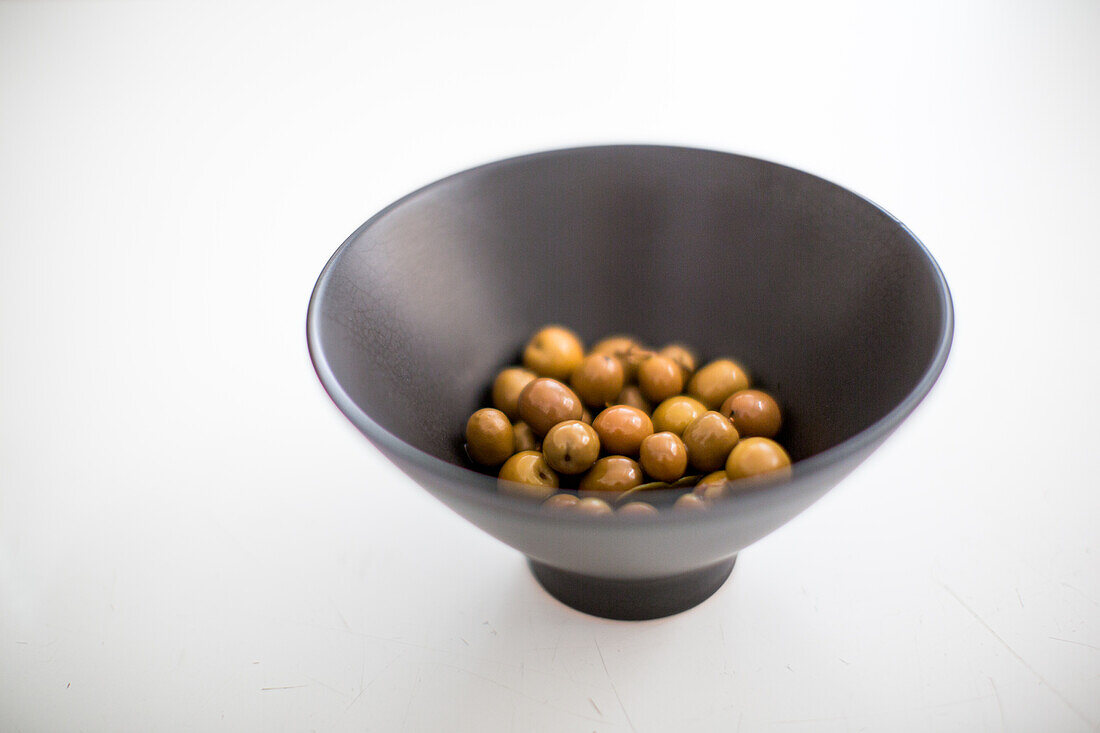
[828,301]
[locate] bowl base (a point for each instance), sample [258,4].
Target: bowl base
[632,599]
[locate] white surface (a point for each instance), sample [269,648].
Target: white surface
[193,538]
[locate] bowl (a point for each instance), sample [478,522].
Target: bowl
[830,302]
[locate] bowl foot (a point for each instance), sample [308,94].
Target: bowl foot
[632,599]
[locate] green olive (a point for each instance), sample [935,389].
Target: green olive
[611,474]
[490,439]
[660,378]
[683,356]
[711,479]
[622,429]
[598,380]
[571,447]
[756,456]
[754,413]
[526,475]
[544,403]
[637,510]
[676,413]
[554,351]
[592,506]
[525,437]
[560,503]
[631,396]
[709,439]
[664,456]
[690,504]
[506,388]
[624,348]
[712,384]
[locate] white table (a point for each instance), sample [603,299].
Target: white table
[193,538]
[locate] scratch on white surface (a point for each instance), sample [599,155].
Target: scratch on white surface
[1018,598]
[326,686]
[796,721]
[1083,594]
[996,694]
[740,720]
[283,687]
[1078,643]
[412,694]
[521,693]
[595,706]
[845,661]
[1027,665]
[339,613]
[613,688]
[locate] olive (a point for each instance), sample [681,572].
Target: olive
[624,348]
[591,506]
[554,351]
[632,397]
[717,477]
[571,447]
[622,429]
[683,356]
[712,384]
[598,380]
[755,456]
[689,504]
[506,388]
[676,413]
[660,378]
[544,403]
[526,475]
[490,439]
[586,417]
[560,503]
[754,413]
[611,473]
[637,510]
[664,456]
[525,437]
[709,439]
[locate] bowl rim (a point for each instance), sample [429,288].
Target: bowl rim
[473,483]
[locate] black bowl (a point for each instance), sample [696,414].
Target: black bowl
[829,301]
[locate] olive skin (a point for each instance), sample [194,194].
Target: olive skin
[592,506]
[545,402]
[631,396]
[571,447]
[611,474]
[676,413]
[660,378]
[560,504]
[624,348]
[754,413]
[506,388]
[622,429]
[711,479]
[683,356]
[554,351]
[757,456]
[598,380]
[525,437]
[709,439]
[637,510]
[664,456]
[490,439]
[690,504]
[526,475]
[712,384]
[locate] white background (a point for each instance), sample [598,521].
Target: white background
[193,538]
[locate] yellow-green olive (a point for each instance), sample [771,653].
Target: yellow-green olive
[506,388]
[754,413]
[554,351]
[676,413]
[664,456]
[560,504]
[690,504]
[712,384]
[490,439]
[709,439]
[711,479]
[631,396]
[598,380]
[592,506]
[683,356]
[757,456]
[622,429]
[660,378]
[637,510]
[624,348]
[545,402]
[611,474]
[525,437]
[571,447]
[527,475]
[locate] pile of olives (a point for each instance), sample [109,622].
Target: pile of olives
[709,427]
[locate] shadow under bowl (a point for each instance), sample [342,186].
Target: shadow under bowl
[830,302]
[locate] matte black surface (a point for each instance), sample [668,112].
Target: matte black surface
[633,600]
[829,301]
